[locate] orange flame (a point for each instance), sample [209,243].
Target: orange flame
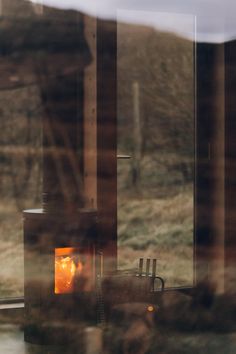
[65,270]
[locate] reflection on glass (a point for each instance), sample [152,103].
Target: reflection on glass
[156,127]
[20,159]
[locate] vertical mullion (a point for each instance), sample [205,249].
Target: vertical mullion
[230,165]
[90,116]
[210,191]
[107,140]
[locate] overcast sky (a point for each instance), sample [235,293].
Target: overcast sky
[215,19]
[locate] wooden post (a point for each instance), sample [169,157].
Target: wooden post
[230,167]
[210,190]
[90,116]
[217,147]
[107,140]
[137,142]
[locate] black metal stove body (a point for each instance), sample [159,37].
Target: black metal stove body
[60,263]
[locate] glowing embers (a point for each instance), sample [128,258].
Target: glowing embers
[72,271]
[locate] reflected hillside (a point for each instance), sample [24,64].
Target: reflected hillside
[156,93]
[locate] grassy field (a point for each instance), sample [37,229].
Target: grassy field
[155,187]
[148,228]
[11,250]
[161,229]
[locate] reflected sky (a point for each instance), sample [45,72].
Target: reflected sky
[216,19]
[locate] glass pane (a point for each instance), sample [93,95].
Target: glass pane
[156,128]
[73,270]
[20,156]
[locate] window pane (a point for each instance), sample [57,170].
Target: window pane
[156,128]
[20,188]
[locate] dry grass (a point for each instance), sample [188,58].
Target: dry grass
[158,228]
[149,228]
[11,250]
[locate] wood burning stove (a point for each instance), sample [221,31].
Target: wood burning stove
[61,266]
[73,270]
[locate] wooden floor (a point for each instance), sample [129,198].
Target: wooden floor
[12,342]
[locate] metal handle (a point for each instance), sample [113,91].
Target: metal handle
[123,157]
[162,283]
[150,273]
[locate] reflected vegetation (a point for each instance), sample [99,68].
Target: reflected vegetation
[156,128]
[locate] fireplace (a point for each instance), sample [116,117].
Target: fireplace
[60,252]
[61,268]
[73,270]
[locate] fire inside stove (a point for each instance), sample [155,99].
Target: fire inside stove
[72,271]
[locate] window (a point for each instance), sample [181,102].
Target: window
[150,57]
[156,129]
[118,133]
